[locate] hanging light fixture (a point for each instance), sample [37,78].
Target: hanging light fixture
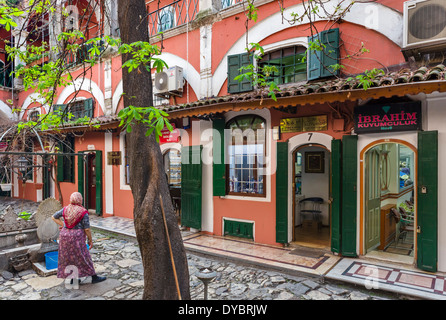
[22,164]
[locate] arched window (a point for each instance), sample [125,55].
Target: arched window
[166,17]
[290,63]
[246,156]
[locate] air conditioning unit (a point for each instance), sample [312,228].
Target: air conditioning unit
[424,23]
[168,82]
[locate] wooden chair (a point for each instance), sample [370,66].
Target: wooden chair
[310,208]
[406,223]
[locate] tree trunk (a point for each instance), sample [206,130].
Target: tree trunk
[147,177]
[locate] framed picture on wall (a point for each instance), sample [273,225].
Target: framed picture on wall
[314,162]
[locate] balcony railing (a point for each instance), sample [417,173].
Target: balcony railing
[172,15]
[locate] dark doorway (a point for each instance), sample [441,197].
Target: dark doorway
[91,181]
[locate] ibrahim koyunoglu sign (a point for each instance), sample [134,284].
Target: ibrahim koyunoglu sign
[403,116]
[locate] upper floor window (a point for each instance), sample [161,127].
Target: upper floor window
[289,62]
[33,115]
[246,156]
[227,3]
[166,19]
[76,110]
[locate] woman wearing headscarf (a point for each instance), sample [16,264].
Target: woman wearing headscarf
[73,253]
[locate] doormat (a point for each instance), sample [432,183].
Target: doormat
[309,253]
[402,248]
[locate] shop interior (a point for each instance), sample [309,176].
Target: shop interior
[389,202]
[311,218]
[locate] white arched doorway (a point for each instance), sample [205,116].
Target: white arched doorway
[388,200]
[309,177]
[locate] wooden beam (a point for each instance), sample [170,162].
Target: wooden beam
[397,90]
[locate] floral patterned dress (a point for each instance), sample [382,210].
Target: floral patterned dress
[74,260]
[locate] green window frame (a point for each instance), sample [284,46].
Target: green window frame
[80,109]
[246,154]
[290,63]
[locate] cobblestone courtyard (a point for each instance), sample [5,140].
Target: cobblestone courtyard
[119,259]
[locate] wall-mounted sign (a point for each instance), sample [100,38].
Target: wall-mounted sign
[170,136]
[3,146]
[403,116]
[302,124]
[114,158]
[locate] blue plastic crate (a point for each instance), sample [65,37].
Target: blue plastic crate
[51,259]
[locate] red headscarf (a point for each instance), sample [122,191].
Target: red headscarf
[74,212]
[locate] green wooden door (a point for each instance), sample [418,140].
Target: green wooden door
[81,176]
[372,199]
[98,165]
[46,177]
[335,190]
[349,195]
[282,193]
[427,201]
[191,175]
[219,166]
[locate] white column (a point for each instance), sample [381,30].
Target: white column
[108,93]
[207,204]
[205,61]
[108,176]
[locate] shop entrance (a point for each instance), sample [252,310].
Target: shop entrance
[389,208]
[91,182]
[311,209]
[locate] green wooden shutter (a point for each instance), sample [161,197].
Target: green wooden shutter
[2,74]
[336,185]
[81,176]
[46,177]
[427,201]
[60,164]
[60,107]
[219,166]
[235,62]
[99,175]
[191,175]
[282,193]
[319,61]
[246,59]
[349,195]
[65,164]
[89,108]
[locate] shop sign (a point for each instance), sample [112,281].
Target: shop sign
[170,136]
[403,116]
[114,158]
[3,146]
[303,124]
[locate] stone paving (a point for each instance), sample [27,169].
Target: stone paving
[119,259]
